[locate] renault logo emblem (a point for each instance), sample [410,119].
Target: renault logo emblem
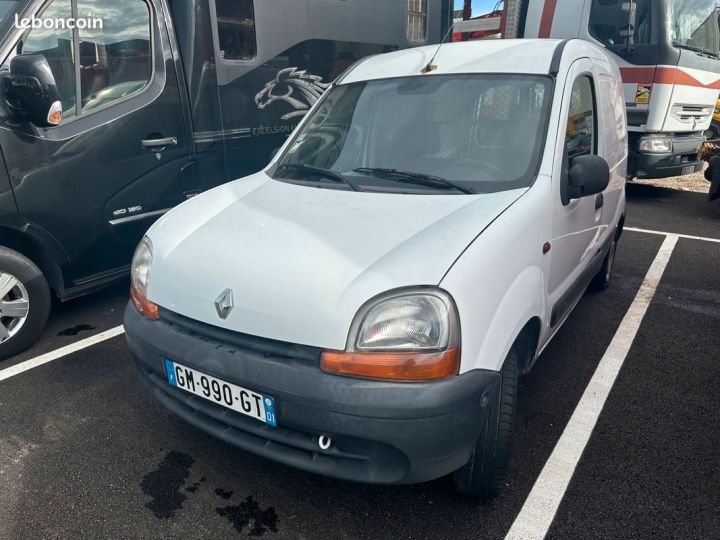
[224,304]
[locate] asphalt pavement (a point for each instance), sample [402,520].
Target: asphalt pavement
[85,452]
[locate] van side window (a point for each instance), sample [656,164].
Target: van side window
[236,29]
[580,135]
[417,20]
[115,55]
[115,60]
[57,46]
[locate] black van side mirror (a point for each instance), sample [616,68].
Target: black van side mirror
[588,175]
[33,91]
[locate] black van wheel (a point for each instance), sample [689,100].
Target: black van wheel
[24,303]
[484,475]
[602,280]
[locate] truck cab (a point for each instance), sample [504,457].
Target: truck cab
[669,56]
[671,75]
[112,112]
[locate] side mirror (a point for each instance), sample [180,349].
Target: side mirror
[33,90]
[588,175]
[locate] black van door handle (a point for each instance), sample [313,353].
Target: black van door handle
[599,201]
[159,143]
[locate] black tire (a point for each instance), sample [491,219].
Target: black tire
[712,133]
[38,292]
[603,278]
[484,475]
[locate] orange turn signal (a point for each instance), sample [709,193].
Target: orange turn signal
[55,114]
[55,118]
[143,305]
[394,366]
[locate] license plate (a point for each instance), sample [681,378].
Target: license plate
[223,393]
[688,170]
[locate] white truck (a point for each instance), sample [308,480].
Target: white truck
[668,53]
[363,306]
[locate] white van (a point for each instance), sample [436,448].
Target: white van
[363,307]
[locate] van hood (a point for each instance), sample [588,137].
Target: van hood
[300,260]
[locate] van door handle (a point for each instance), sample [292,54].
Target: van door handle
[159,143]
[599,201]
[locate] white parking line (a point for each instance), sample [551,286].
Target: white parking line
[661,233]
[538,512]
[59,353]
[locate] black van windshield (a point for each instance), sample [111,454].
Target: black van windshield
[8,9]
[455,134]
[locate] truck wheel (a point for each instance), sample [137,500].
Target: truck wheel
[484,475]
[24,303]
[602,280]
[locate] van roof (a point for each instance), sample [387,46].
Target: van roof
[530,56]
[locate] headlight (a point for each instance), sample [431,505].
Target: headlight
[417,322]
[141,264]
[140,277]
[656,145]
[406,336]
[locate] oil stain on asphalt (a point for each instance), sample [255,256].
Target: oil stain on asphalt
[75,330]
[167,487]
[249,510]
[164,484]
[195,486]
[223,494]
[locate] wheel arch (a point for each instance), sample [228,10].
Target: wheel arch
[519,312]
[526,344]
[34,249]
[620,227]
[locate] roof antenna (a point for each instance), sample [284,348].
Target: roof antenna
[430,66]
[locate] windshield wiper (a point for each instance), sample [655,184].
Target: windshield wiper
[695,49]
[419,179]
[323,173]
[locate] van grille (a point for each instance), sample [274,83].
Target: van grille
[243,342]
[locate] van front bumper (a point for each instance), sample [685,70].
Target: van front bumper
[382,432]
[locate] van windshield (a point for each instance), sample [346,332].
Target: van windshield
[450,133]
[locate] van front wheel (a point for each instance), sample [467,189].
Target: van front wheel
[484,475]
[24,303]
[602,280]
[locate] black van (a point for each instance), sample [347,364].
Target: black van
[114,111]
